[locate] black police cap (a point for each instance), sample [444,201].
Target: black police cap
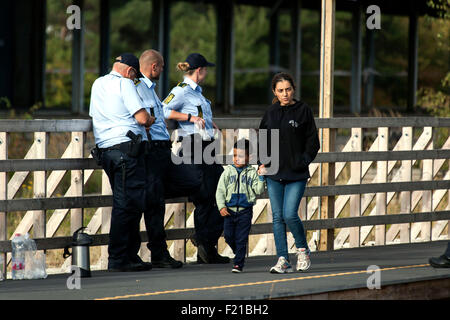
[196,60]
[130,60]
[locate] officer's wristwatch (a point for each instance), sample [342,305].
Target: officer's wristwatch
[189,117]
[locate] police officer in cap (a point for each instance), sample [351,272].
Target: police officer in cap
[170,180]
[187,105]
[119,123]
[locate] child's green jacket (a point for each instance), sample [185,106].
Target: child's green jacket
[238,187]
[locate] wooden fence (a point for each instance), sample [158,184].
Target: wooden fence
[392,185]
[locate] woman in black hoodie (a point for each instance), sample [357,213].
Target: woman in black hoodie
[298,146]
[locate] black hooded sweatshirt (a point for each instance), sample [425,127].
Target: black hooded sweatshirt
[298,139]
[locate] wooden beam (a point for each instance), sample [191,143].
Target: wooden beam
[105,28]
[225,56]
[382,175]
[40,185]
[232,123]
[413,49]
[355,92]
[296,46]
[355,178]
[369,68]
[274,48]
[76,181]
[78,64]
[160,40]
[327,136]
[3,196]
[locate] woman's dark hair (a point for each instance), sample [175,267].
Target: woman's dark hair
[282,76]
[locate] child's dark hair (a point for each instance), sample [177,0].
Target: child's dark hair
[243,144]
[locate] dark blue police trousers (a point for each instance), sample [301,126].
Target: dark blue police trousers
[128,179]
[170,181]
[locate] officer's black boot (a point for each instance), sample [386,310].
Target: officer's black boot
[209,254]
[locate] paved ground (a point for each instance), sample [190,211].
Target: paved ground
[330,271]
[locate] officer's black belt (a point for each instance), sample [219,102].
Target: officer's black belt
[124,147]
[160,144]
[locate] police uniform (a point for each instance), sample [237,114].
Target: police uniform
[114,101]
[187,98]
[170,180]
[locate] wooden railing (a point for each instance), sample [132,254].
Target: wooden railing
[377,196]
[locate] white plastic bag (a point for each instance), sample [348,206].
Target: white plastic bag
[34,260]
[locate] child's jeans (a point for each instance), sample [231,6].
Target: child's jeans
[236,230]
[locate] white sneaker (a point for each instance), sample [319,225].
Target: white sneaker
[282,266]
[303,261]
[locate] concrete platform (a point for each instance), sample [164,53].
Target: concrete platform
[342,274]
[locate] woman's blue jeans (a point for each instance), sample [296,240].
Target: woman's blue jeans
[285,199]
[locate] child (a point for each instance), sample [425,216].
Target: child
[235,196]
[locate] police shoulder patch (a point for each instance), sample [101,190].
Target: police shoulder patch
[169,98]
[182,84]
[136,81]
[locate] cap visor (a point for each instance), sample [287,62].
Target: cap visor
[209,64]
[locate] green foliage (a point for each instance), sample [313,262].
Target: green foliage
[436,101]
[193,28]
[436,98]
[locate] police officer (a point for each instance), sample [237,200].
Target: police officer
[187,105]
[119,119]
[170,180]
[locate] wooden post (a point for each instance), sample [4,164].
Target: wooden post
[355,92]
[106,219]
[327,136]
[274,47]
[179,222]
[3,196]
[427,197]
[270,240]
[78,64]
[296,46]
[40,185]
[382,172]
[369,68]
[76,214]
[225,56]
[406,175]
[160,40]
[448,208]
[355,178]
[413,49]
[105,29]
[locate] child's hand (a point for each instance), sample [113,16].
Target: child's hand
[224,212]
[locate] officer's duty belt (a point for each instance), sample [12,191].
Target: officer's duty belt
[124,147]
[160,144]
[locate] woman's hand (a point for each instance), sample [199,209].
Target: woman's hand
[224,212]
[262,170]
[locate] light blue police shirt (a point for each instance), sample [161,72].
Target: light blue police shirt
[185,98]
[146,90]
[114,101]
